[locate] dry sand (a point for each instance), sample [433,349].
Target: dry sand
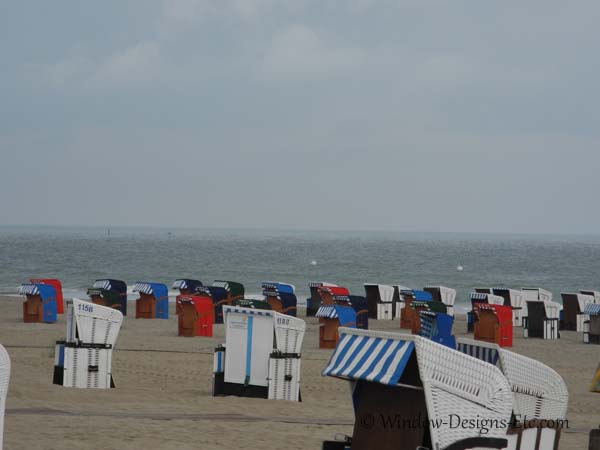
[163,396]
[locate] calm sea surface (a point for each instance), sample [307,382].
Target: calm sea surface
[78,256]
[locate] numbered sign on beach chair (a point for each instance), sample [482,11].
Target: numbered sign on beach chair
[186,286]
[153,302]
[314,301]
[540,395]
[437,326]
[591,327]
[382,299]
[84,358]
[494,324]
[331,318]
[196,315]
[111,293]
[409,315]
[4,379]
[281,297]
[515,299]
[573,310]
[57,285]
[261,355]
[410,392]
[40,303]
[443,294]
[542,320]
[480,297]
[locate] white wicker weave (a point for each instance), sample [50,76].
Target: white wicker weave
[4,378]
[539,392]
[458,385]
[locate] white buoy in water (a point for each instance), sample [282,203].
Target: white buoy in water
[313,263]
[459,268]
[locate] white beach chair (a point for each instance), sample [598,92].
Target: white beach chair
[84,358]
[542,320]
[4,379]
[381,300]
[261,355]
[573,310]
[591,326]
[515,299]
[406,377]
[540,395]
[534,295]
[443,294]
[399,300]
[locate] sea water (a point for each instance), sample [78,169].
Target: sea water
[78,256]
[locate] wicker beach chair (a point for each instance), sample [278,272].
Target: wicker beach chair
[382,299]
[480,297]
[314,301]
[437,327]
[540,395]
[281,297]
[186,286]
[399,300]
[331,318]
[39,304]
[57,285]
[494,324]
[443,294]
[153,302]
[261,355]
[542,320]
[84,358]
[419,306]
[195,317]
[222,293]
[534,295]
[409,315]
[409,392]
[515,299]
[573,310]
[4,379]
[591,326]
[361,307]
[109,292]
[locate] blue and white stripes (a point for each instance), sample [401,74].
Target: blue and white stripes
[179,284]
[250,311]
[143,287]
[102,284]
[326,312]
[377,359]
[29,289]
[592,309]
[486,354]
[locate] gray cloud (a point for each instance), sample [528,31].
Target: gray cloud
[428,115]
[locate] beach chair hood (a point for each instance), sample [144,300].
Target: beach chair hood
[158,290]
[346,315]
[45,291]
[187,284]
[234,288]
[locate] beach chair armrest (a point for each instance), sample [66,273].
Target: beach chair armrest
[478,442]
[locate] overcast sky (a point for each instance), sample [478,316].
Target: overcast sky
[359,114]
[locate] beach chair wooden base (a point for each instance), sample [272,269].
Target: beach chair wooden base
[328,333]
[32,310]
[145,307]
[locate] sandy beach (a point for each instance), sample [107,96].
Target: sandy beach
[163,396]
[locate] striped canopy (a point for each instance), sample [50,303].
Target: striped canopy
[274,287]
[592,309]
[102,284]
[483,351]
[45,291]
[327,312]
[377,359]
[158,290]
[186,283]
[250,311]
